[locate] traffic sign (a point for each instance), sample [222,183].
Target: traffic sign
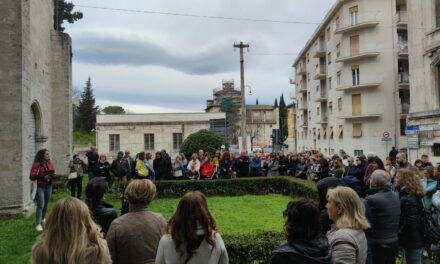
[386,134]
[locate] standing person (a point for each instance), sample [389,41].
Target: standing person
[234,165]
[293,161]
[76,165]
[120,169]
[192,173]
[201,155]
[226,166]
[207,169]
[178,170]
[134,237]
[168,165]
[256,165]
[243,163]
[159,166]
[184,162]
[71,237]
[283,163]
[351,168]
[375,164]
[222,151]
[301,168]
[383,207]
[141,169]
[425,161]
[419,165]
[194,160]
[304,243]
[393,153]
[102,168]
[102,212]
[191,235]
[131,165]
[43,172]
[402,163]
[92,158]
[323,186]
[347,237]
[391,168]
[324,171]
[338,169]
[410,234]
[429,183]
[273,165]
[148,162]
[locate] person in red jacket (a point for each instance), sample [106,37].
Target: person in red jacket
[206,169]
[43,172]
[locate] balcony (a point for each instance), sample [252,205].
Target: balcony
[302,106]
[301,70]
[402,50]
[302,88]
[292,80]
[323,120]
[359,56]
[319,52]
[350,27]
[304,125]
[321,73]
[404,108]
[350,88]
[322,97]
[402,19]
[403,79]
[361,116]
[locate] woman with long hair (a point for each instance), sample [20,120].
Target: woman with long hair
[102,168]
[225,166]
[273,166]
[102,212]
[347,237]
[411,208]
[304,242]
[159,166]
[338,169]
[71,237]
[141,169]
[178,168]
[43,172]
[191,235]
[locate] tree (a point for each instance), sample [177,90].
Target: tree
[231,109]
[256,102]
[63,11]
[203,139]
[87,110]
[282,114]
[113,110]
[276,103]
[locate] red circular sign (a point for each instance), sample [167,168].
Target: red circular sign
[386,134]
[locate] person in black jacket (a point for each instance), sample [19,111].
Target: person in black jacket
[293,161]
[304,244]
[323,186]
[283,163]
[225,166]
[351,168]
[243,163]
[103,213]
[120,169]
[159,166]
[102,168]
[92,158]
[168,165]
[383,213]
[411,208]
[360,168]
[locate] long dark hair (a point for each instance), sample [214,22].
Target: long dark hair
[39,157]
[192,210]
[302,223]
[95,190]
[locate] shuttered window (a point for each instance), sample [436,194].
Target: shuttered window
[149,141]
[356,105]
[114,142]
[354,45]
[357,130]
[437,13]
[353,15]
[339,104]
[177,140]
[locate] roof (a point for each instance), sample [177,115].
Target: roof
[158,117]
[260,107]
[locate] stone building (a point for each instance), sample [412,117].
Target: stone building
[352,80]
[291,128]
[260,119]
[35,97]
[424,65]
[150,132]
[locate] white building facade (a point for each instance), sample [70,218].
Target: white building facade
[149,132]
[352,80]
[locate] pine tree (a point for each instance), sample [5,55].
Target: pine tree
[256,102]
[282,111]
[64,12]
[276,103]
[87,110]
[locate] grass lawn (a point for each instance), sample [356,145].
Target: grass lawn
[234,215]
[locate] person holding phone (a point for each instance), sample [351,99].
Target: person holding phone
[43,172]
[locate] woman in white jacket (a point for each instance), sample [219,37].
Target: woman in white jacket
[191,235]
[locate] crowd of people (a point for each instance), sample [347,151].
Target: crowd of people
[367,210]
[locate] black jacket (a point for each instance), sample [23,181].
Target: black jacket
[119,167]
[283,163]
[103,214]
[349,170]
[292,167]
[243,166]
[384,208]
[102,170]
[92,159]
[160,168]
[307,252]
[410,234]
[323,186]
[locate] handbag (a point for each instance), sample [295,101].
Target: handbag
[72,175]
[430,228]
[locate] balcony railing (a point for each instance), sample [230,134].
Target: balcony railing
[403,77]
[402,16]
[404,108]
[402,47]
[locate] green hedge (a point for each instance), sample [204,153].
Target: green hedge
[239,186]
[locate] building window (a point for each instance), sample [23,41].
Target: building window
[177,140]
[338,78]
[329,83]
[149,141]
[357,130]
[308,96]
[327,35]
[307,56]
[358,152]
[317,87]
[354,45]
[436,149]
[339,104]
[437,13]
[310,115]
[353,15]
[337,23]
[308,77]
[329,58]
[338,50]
[355,74]
[114,142]
[330,133]
[402,126]
[341,131]
[317,111]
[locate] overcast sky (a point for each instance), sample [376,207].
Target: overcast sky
[160,63]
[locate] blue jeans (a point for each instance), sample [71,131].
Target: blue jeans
[413,255]
[43,197]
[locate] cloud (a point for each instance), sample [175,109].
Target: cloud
[132,50]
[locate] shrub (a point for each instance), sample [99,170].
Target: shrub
[203,139]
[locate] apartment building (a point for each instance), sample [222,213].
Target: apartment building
[424,43]
[352,80]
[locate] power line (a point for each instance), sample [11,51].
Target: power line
[198,16]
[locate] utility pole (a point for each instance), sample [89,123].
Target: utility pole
[241,46]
